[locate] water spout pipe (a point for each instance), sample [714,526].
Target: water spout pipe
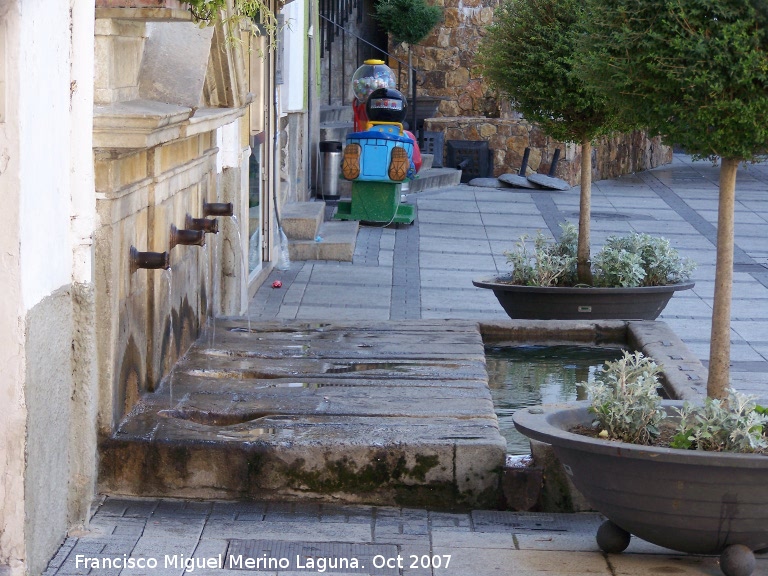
[218,209]
[186,237]
[149,260]
[207,225]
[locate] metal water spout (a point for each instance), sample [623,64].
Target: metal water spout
[149,260]
[207,225]
[218,209]
[186,237]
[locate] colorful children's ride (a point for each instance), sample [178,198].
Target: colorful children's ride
[380,155]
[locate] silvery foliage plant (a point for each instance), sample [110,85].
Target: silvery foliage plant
[624,262]
[549,263]
[640,260]
[737,424]
[625,400]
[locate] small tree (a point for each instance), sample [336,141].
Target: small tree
[408,21]
[696,72]
[528,55]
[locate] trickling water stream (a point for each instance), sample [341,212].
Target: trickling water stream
[214,267]
[523,376]
[207,313]
[169,276]
[243,265]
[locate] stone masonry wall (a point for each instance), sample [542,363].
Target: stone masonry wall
[508,138]
[470,110]
[446,60]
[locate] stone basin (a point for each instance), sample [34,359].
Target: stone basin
[389,413]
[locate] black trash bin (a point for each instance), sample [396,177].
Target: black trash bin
[330,169]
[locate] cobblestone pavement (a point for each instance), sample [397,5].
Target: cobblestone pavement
[174,537]
[425,271]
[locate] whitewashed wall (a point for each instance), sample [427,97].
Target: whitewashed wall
[46,189]
[44,149]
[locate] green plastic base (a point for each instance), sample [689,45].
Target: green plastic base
[376,202]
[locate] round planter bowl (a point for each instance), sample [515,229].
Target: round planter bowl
[687,500]
[567,303]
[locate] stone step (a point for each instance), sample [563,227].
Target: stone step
[335,114]
[427,161]
[335,241]
[379,413]
[302,220]
[435,178]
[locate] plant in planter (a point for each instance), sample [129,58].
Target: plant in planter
[633,277]
[531,54]
[690,478]
[528,54]
[627,407]
[695,72]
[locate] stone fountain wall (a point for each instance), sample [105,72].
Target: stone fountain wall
[167,138]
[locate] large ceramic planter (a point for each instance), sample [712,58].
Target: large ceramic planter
[692,501]
[566,303]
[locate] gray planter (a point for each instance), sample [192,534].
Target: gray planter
[567,303]
[692,501]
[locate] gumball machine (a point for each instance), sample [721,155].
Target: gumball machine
[372,75]
[379,154]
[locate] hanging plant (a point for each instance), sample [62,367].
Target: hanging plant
[256,14]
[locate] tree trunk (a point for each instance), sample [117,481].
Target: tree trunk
[583,261]
[720,339]
[412,83]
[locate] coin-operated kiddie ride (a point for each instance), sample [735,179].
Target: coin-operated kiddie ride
[379,155]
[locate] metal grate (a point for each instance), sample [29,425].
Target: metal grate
[272,555]
[472,157]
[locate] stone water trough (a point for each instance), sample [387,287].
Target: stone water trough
[390,413]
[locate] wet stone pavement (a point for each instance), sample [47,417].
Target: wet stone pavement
[385,413]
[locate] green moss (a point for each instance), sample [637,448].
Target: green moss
[388,472]
[423,465]
[384,470]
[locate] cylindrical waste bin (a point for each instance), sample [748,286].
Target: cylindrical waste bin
[330,169]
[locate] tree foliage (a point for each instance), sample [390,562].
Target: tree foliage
[694,71]
[408,21]
[528,54]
